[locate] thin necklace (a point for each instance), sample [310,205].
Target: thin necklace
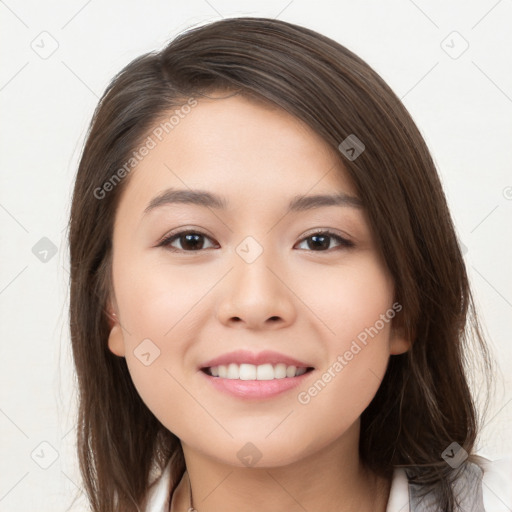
[191,506]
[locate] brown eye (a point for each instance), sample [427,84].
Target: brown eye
[322,241]
[193,241]
[188,241]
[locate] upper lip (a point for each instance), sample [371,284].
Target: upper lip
[245,356]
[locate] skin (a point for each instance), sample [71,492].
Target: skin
[200,304]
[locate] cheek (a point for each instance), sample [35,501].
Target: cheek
[347,299]
[345,385]
[156,299]
[156,309]
[356,309]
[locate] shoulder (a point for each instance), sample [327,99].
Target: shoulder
[481,485]
[496,483]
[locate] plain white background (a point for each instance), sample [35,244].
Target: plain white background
[58,58]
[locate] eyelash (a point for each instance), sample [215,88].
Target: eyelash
[343,242]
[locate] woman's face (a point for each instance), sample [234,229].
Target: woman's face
[249,274]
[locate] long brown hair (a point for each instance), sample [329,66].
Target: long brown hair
[424,401]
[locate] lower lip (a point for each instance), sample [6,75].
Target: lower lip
[256,388]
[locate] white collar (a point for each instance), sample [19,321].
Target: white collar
[497,488]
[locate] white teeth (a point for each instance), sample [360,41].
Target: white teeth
[253,372]
[290,371]
[245,371]
[232,372]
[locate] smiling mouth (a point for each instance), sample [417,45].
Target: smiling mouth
[245,371]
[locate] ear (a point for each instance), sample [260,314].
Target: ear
[399,343]
[111,317]
[115,338]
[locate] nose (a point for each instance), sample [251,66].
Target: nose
[256,295]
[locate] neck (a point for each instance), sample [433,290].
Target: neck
[332,479]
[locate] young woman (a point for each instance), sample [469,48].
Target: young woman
[269,306]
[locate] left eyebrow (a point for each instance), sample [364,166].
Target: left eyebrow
[207,199]
[302,203]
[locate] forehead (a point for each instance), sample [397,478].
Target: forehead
[249,152]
